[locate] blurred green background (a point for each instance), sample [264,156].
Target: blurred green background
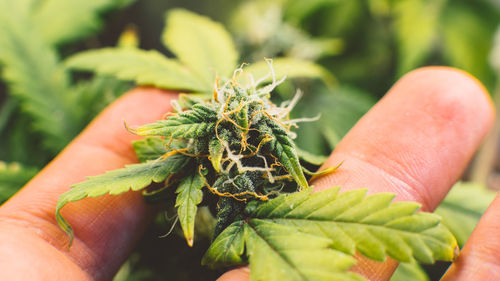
[364,45]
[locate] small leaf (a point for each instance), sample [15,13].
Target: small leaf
[197,122]
[228,247]
[134,177]
[189,195]
[284,149]
[216,150]
[201,44]
[150,148]
[289,67]
[143,67]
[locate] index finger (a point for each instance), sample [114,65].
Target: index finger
[415,142]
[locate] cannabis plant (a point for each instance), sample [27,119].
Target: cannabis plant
[235,153]
[229,147]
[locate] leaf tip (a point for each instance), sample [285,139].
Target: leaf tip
[456,252]
[64,225]
[190,241]
[130,129]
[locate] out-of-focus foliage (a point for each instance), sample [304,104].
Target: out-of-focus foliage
[495,53]
[381,39]
[365,44]
[409,271]
[12,177]
[33,75]
[62,21]
[270,28]
[463,207]
[42,109]
[338,109]
[456,33]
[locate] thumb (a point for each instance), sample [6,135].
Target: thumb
[105,227]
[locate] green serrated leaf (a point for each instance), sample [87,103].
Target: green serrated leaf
[301,236]
[368,223]
[132,177]
[409,271]
[150,148]
[32,73]
[197,122]
[228,247]
[79,19]
[13,176]
[143,67]
[289,67]
[284,149]
[189,195]
[201,44]
[279,252]
[463,207]
[188,100]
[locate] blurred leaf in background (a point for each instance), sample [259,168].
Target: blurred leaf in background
[78,20]
[457,33]
[338,110]
[42,109]
[416,23]
[271,28]
[495,52]
[356,48]
[12,177]
[463,207]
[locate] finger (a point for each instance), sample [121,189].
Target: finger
[105,227]
[480,257]
[415,142]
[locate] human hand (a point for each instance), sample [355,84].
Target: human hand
[415,142]
[33,247]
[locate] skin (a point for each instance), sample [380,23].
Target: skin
[415,142]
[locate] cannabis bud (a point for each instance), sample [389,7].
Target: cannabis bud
[223,150]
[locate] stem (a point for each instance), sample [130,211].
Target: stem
[6,111]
